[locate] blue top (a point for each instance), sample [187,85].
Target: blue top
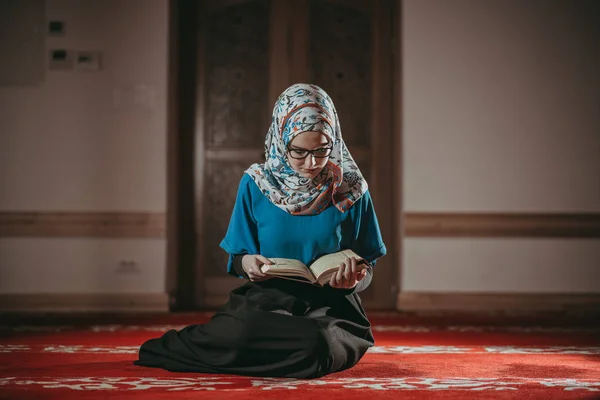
[257,226]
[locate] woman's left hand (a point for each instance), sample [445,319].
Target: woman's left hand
[348,275]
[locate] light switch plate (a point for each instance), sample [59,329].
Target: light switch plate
[60,59]
[56,28]
[88,60]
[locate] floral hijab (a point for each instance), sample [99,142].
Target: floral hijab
[301,108]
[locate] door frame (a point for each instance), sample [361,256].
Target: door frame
[181,127]
[182,280]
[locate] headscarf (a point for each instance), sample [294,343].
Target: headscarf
[302,108]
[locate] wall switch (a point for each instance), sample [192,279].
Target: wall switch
[60,59]
[56,28]
[88,61]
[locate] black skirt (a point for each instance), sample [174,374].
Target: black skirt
[275,328]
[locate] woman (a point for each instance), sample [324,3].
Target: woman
[307,200]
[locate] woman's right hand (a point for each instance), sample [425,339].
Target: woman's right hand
[252,263]
[348,275]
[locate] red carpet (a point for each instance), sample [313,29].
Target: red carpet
[68,357]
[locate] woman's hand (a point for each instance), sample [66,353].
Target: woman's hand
[252,263]
[348,275]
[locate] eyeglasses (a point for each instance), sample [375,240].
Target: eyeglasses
[299,154]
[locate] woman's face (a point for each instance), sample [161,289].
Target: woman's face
[308,164]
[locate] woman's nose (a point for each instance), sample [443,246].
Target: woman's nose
[311,160]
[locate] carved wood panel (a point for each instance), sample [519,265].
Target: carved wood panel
[236,79]
[340,62]
[221,184]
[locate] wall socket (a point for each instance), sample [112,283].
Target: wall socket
[127,267]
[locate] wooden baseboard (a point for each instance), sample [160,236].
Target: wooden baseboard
[75,302]
[448,301]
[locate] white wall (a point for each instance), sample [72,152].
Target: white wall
[501,113]
[69,144]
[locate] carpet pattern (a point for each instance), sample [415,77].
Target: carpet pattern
[91,357]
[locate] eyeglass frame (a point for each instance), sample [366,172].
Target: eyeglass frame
[311,152]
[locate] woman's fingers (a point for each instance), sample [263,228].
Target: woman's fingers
[361,275]
[350,270]
[264,260]
[256,274]
[332,280]
[340,275]
[351,273]
[253,267]
[347,275]
[259,261]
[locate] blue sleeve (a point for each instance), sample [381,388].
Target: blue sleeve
[367,241]
[241,236]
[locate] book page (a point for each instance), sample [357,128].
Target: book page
[331,261]
[287,267]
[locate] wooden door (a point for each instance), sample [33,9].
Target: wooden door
[248,52]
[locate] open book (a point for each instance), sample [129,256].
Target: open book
[318,273]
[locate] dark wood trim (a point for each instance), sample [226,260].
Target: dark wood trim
[82,224]
[538,225]
[381,294]
[546,302]
[181,246]
[280,42]
[217,6]
[197,146]
[363,6]
[172,258]
[141,224]
[299,67]
[397,146]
